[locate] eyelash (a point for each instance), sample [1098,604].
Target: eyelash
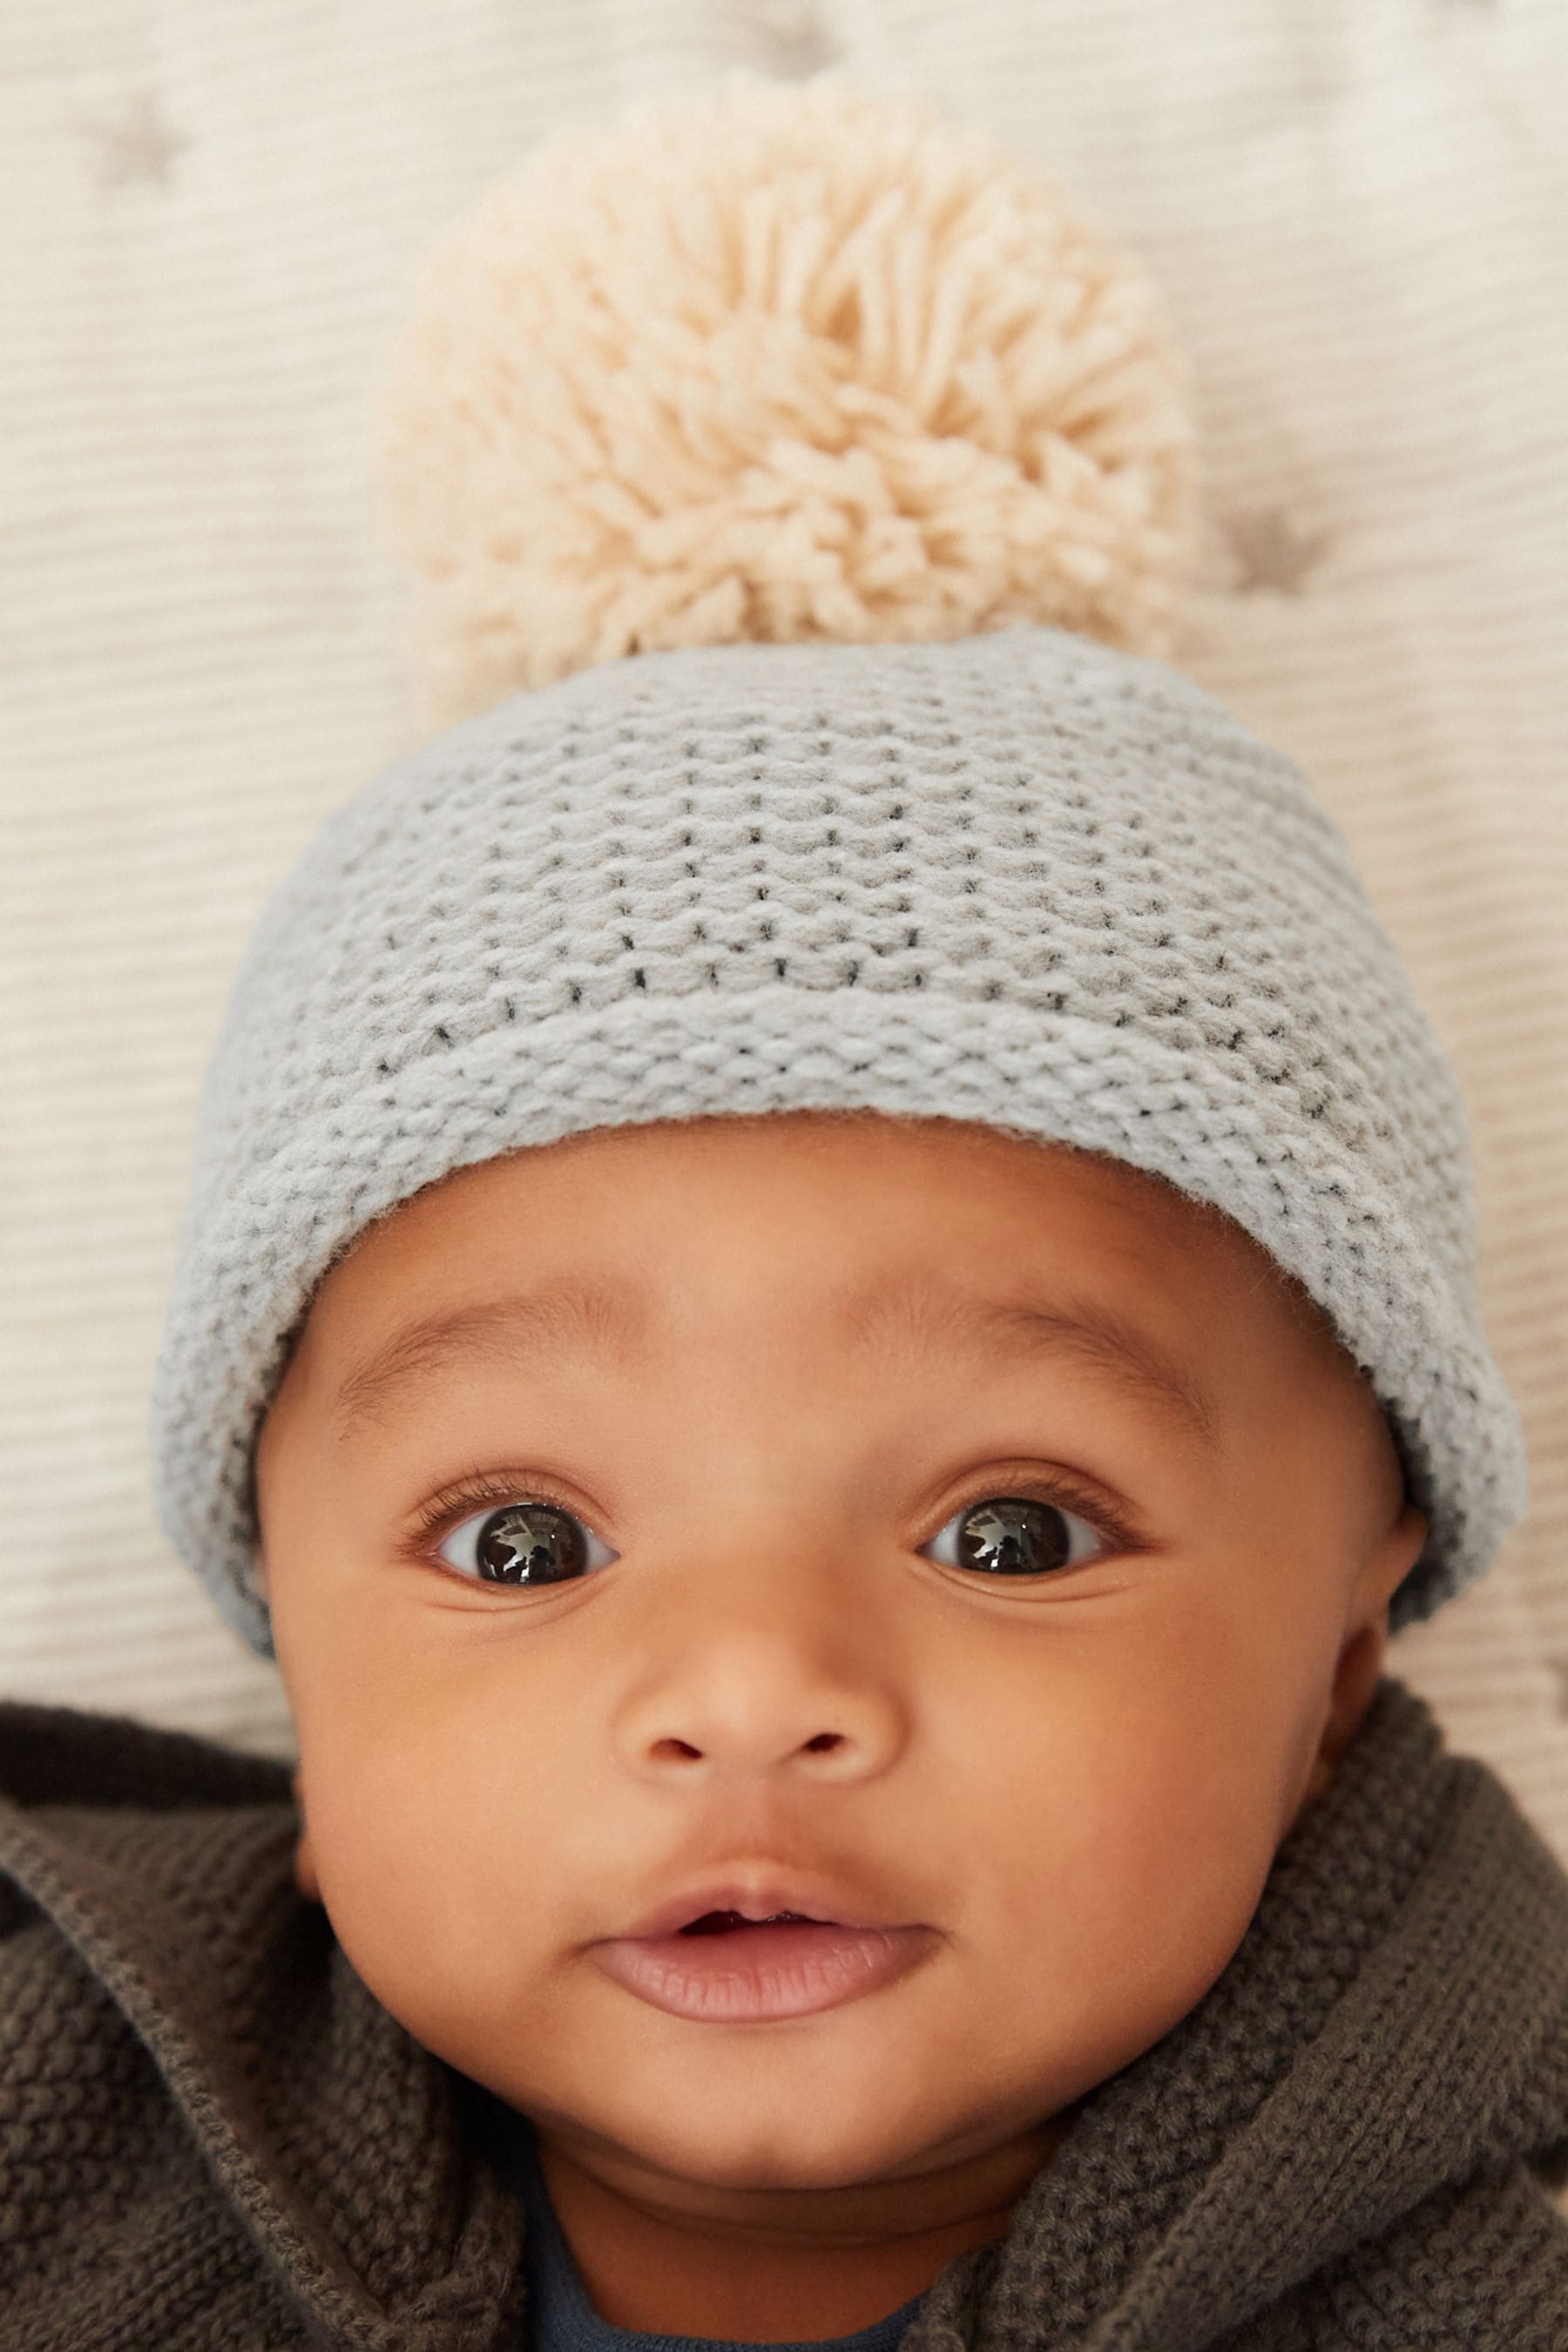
[449,1508]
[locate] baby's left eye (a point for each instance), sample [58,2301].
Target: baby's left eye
[1018,1534]
[527,1543]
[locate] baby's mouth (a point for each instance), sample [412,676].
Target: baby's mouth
[724,1922]
[753,1970]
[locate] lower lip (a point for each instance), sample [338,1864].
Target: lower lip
[752,1973]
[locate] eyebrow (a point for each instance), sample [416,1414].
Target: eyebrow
[906,1318]
[612,1319]
[607,1319]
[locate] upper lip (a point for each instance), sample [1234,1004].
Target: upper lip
[757,1895]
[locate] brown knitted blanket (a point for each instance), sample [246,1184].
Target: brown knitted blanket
[212,2134]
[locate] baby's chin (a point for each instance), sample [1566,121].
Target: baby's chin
[859,2170]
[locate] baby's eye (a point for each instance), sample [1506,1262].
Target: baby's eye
[1018,1535]
[534,1543]
[525,1543]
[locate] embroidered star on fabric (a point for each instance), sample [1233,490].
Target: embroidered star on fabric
[1271,552]
[139,144]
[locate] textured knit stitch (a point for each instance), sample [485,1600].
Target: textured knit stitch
[1019,879]
[212,2137]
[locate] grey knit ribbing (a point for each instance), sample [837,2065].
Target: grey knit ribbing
[1019,879]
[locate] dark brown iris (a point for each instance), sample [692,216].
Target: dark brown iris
[530,1543]
[1014,1535]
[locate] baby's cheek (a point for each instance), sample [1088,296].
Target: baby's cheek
[404,1882]
[1153,1855]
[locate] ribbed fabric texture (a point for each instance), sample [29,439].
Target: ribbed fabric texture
[1020,877]
[214,2137]
[216,213]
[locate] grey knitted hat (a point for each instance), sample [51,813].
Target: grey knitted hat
[1013,875]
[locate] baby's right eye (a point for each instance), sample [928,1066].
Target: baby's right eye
[527,1544]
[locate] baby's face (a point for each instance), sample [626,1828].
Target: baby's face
[782,1635]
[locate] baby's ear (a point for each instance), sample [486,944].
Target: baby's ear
[1355,1678]
[1391,1562]
[305,1877]
[1361,1657]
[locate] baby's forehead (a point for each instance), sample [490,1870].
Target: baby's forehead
[868,1238]
[822,1204]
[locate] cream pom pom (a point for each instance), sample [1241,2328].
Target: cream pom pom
[801,362]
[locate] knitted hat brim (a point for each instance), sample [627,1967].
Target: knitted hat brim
[778,1047]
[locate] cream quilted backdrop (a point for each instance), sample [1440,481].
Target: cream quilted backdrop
[213,208]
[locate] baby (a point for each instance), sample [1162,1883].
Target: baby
[970,1546]
[826,1314]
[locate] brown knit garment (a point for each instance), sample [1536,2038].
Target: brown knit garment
[212,2134]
